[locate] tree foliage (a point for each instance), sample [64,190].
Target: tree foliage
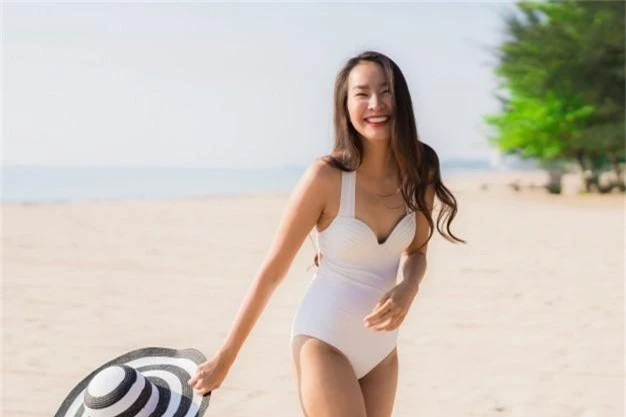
[562,66]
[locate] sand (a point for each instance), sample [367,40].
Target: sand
[527,319]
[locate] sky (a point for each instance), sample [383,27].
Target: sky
[231,85]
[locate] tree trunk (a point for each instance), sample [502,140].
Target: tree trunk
[555,177]
[585,175]
[617,169]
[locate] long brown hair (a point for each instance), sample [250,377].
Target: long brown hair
[417,163]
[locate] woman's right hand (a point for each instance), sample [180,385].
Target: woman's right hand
[210,374]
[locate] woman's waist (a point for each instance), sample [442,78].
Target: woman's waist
[359,277]
[345,295]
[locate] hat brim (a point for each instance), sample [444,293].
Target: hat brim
[159,365]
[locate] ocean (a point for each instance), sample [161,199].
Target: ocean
[33,184]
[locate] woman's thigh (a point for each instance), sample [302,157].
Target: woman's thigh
[379,387]
[327,384]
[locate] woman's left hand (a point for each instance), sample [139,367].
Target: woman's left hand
[392,308]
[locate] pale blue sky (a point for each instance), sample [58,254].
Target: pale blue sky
[230,85]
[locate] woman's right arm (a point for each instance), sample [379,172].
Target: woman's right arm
[305,206]
[303,209]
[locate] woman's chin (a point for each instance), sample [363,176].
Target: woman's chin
[376,138]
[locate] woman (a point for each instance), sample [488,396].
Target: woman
[371,202]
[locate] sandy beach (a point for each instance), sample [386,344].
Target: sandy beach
[525,320]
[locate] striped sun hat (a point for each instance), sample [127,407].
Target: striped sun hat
[148,382]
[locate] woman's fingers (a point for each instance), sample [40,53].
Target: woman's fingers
[383,325]
[378,317]
[199,379]
[192,381]
[209,375]
[378,312]
[382,304]
[203,381]
[391,322]
[387,310]
[397,321]
[382,301]
[388,313]
[201,387]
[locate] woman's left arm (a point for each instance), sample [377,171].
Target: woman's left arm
[413,268]
[413,262]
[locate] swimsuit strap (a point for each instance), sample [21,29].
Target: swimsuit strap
[348,190]
[346,202]
[348,195]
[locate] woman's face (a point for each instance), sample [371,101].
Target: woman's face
[370,103]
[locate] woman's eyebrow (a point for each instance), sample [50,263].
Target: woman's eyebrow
[365,87]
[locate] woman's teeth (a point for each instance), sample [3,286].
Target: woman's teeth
[376,119]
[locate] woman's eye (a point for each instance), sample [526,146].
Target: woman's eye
[365,95]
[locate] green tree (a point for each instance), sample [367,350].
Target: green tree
[563,68]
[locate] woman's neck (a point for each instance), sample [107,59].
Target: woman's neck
[376,163]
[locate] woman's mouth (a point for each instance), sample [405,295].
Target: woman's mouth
[377,121]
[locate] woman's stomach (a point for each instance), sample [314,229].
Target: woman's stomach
[335,307]
[356,297]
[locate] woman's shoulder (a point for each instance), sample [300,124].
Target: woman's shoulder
[322,171]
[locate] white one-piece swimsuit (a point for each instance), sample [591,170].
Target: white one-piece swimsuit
[355,271]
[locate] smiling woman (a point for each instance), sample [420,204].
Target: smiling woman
[379,186]
[370,201]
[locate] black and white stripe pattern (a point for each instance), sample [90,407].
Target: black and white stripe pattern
[150,382]
[120,391]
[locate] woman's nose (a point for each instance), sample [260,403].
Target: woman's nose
[374,102]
